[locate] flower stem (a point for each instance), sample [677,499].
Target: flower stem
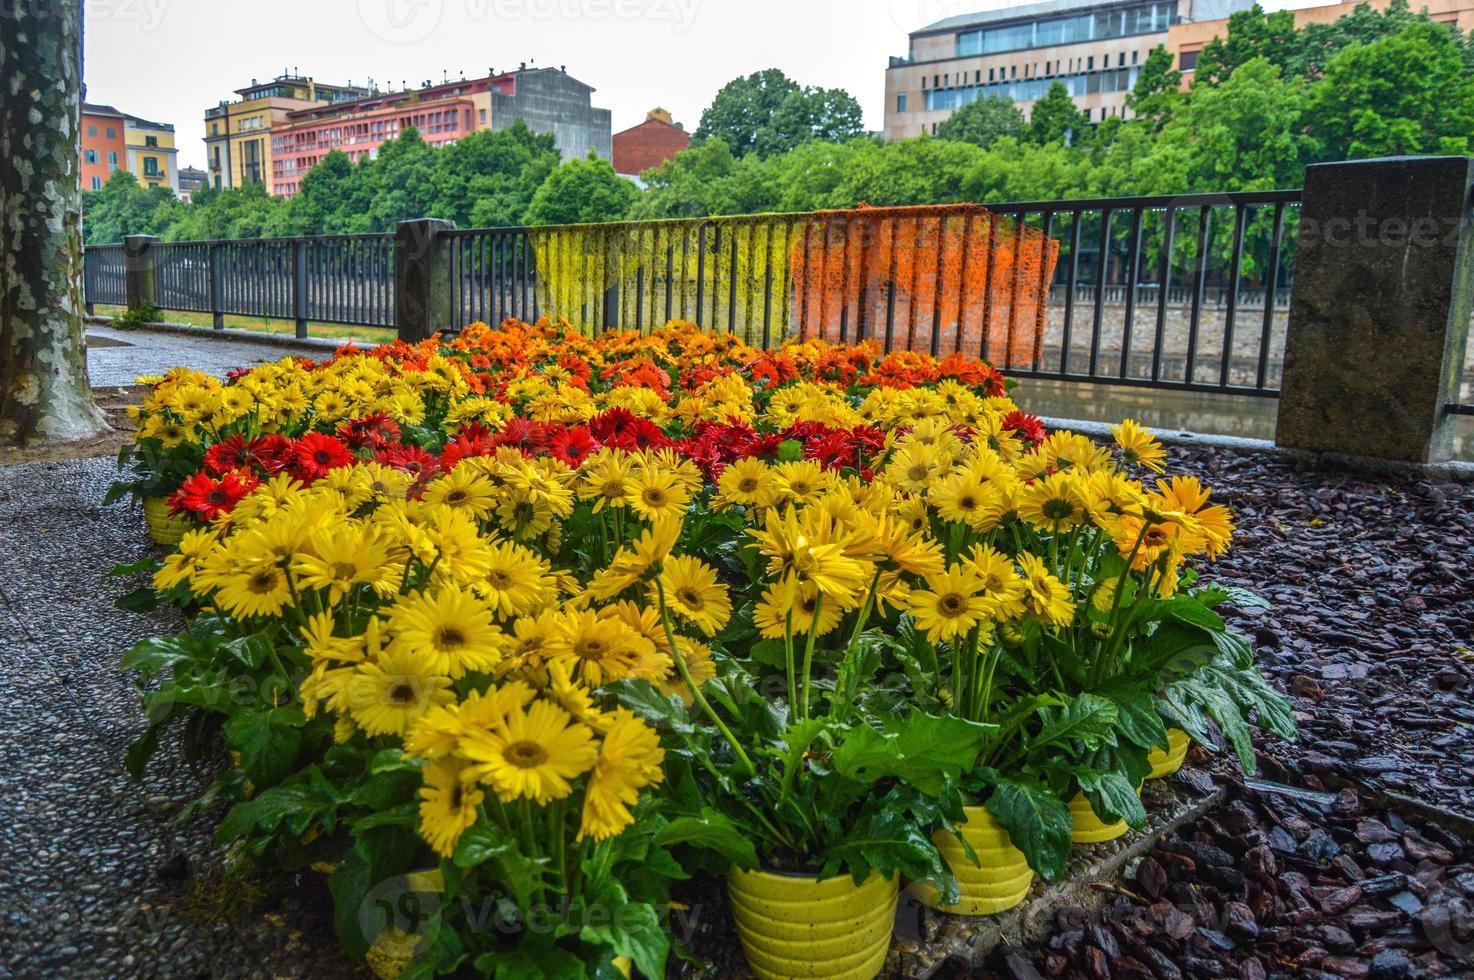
[706,708]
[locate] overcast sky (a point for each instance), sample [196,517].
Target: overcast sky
[168,60]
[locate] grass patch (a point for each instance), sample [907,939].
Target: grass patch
[256,324]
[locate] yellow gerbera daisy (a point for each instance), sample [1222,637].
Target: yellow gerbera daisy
[951,604]
[693,593]
[532,754]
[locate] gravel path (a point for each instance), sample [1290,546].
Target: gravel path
[100,879]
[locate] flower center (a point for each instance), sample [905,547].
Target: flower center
[690,597]
[449,638]
[527,755]
[952,603]
[262,582]
[402,693]
[343,570]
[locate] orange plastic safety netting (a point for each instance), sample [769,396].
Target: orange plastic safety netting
[936,278]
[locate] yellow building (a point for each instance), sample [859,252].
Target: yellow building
[238,134]
[152,154]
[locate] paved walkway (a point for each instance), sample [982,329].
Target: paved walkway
[116,357]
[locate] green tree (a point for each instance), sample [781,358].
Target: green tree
[829,115]
[768,113]
[1056,119]
[983,122]
[1158,89]
[1409,92]
[1251,34]
[124,207]
[488,178]
[581,191]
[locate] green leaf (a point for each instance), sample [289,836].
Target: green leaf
[1089,719]
[267,740]
[1186,609]
[519,874]
[1112,796]
[141,600]
[535,959]
[712,831]
[1136,715]
[135,760]
[934,748]
[1039,823]
[634,930]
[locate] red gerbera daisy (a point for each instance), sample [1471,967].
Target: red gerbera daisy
[573,445]
[411,459]
[317,454]
[1026,425]
[207,498]
[235,453]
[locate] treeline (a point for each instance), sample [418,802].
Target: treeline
[1265,101]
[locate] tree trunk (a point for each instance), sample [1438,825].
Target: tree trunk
[44,394]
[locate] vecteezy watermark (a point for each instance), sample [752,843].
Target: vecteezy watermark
[147,14]
[409,21]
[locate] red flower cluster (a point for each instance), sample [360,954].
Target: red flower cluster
[206,497]
[715,445]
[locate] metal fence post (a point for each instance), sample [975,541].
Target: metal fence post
[217,284]
[139,285]
[422,293]
[1379,308]
[299,285]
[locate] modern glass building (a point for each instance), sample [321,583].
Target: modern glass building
[1094,49]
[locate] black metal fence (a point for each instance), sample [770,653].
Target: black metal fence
[1188,292]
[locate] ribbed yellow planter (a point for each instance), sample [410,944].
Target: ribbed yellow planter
[795,926]
[163,528]
[1090,829]
[1166,763]
[996,882]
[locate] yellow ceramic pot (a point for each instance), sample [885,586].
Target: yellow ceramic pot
[1166,763]
[1090,829]
[795,926]
[999,878]
[163,528]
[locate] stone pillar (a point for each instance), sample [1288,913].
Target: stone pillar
[138,271]
[422,295]
[1379,308]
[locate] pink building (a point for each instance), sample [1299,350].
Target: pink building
[547,100]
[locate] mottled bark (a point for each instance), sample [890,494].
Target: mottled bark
[44,394]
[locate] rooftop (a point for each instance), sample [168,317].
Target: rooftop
[1028,11]
[97,109]
[137,122]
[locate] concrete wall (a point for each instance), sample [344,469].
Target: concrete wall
[550,101]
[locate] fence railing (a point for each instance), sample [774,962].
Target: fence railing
[1189,292]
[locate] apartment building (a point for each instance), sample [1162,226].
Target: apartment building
[152,154]
[1187,39]
[104,147]
[548,100]
[1094,49]
[238,133]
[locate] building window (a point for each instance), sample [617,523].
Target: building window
[1146,18]
[151,166]
[92,131]
[97,183]
[1187,61]
[150,141]
[112,133]
[901,102]
[90,156]
[483,117]
[112,160]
